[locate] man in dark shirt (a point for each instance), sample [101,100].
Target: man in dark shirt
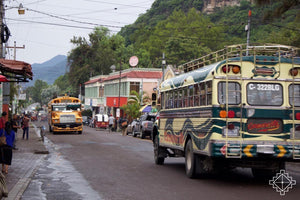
[15,127]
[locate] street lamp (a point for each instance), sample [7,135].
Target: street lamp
[21,9]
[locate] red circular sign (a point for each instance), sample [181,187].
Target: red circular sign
[133,61]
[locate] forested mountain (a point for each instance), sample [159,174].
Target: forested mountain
[181,30]
[50,70]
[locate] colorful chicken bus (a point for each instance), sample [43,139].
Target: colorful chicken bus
[237,107]
[64,115]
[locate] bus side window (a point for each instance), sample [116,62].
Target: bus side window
[175,99]
[208,92]
[191,93]
[171,100]
[179,98]
[196,95]
[202,94]
[185,97]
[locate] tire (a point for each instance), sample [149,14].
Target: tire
[79,132]
[50,129]
[142,135]
[190,160]
[159,160]
[133,132]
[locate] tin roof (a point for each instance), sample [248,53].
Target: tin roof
[14,70]
[128,74]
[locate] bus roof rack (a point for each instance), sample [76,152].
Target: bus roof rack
[241,50]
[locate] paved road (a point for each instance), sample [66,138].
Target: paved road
[102,165]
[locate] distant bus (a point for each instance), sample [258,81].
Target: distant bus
[238,107]
[64,115]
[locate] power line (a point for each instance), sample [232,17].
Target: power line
[47,23]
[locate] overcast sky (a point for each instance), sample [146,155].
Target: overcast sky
[48,25]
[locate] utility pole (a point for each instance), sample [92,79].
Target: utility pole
[15,49]
[248,31]
[1,26]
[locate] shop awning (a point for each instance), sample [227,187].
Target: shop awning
[146,108]
[16,71]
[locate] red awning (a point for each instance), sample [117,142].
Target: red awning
[3,79]
[14,70]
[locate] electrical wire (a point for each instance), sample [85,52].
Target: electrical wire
[71,20]
[53,24]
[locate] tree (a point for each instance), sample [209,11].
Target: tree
[35,91]
[132,109]
[280,7]
[49,93]
[94,56]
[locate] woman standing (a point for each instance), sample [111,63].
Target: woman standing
[6,150]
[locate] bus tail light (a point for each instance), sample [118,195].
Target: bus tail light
[236,69]
[226,69]
[297,116]
[294,72]
[230,126]
[224,114]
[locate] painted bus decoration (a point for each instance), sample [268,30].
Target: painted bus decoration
[238,107]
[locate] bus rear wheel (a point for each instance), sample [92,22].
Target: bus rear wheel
[159,160]
[190,160]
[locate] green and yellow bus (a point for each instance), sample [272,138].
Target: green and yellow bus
[237,107]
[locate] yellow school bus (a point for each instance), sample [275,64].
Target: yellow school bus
[64,115]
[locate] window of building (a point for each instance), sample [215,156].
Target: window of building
[135,86]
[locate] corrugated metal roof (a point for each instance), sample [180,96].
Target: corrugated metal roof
[18,70]
[130,74]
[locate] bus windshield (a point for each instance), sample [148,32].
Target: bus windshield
[264,94]
[75,107]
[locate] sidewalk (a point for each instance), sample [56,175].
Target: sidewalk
[24,163]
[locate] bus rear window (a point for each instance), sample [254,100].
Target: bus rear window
[264,94]
[294,94]
[234,93]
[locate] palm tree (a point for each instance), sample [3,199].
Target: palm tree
[132,109]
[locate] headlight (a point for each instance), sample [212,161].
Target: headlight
[56,120]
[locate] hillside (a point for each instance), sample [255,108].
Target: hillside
[50,70]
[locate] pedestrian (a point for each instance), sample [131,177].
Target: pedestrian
[6,150]
[15,126]
[111,120]
[2,120]
[124,126]
[25,126]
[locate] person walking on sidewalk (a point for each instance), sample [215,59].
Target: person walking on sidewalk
[6,150]
[15,126]
[25,126]
[2,120]
[111,120]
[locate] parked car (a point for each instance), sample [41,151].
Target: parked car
[144,126]
[132,126]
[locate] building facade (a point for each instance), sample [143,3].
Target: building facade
[106,94]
